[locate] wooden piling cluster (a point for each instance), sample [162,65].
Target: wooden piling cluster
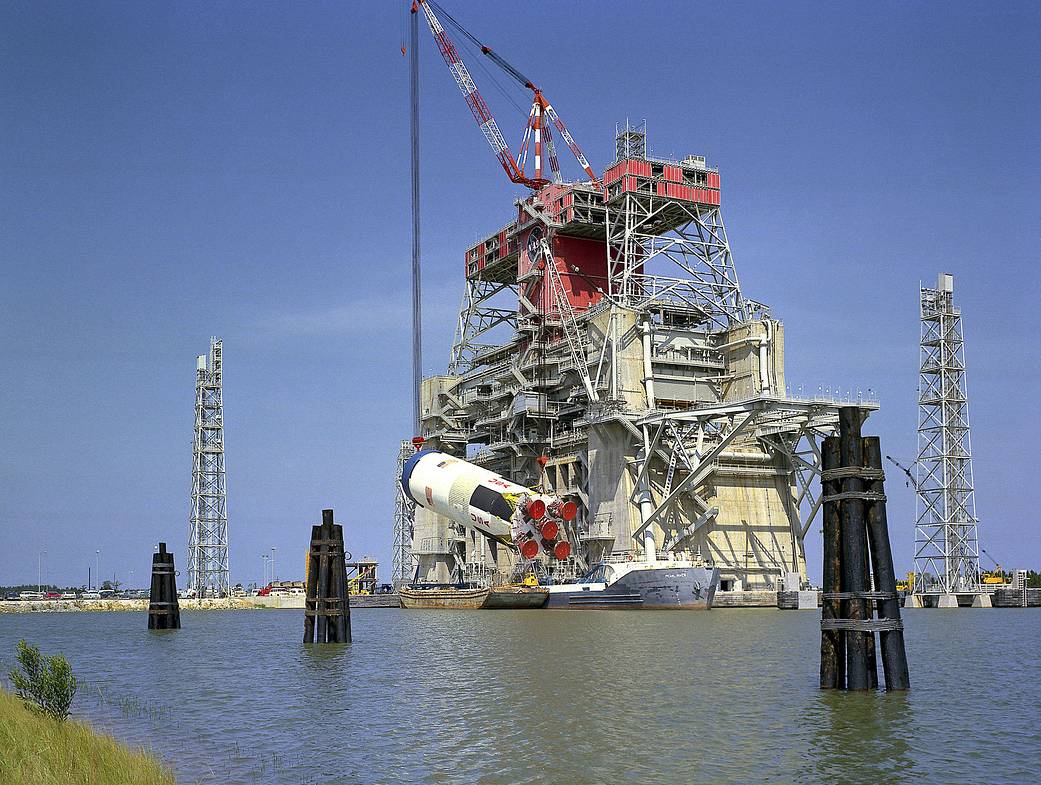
[163,610]
[327,614]
[856,544]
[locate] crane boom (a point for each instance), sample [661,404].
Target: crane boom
[911,482]
[482,114]
[541,110]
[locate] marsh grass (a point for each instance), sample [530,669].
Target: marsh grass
[36,749]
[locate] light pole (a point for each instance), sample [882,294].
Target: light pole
[263,564]
[97,575]
[273,576]
[39,572]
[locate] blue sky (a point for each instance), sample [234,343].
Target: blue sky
[170,171]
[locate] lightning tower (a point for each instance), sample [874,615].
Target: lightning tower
[208,572]
[947,561]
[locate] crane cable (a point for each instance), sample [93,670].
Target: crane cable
[485,50]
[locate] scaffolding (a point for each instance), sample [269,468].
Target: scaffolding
[208,571]
[946,546]
[604,351]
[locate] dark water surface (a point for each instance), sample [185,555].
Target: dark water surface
[551,697]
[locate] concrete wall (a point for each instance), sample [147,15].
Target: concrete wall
[609,483]
[751,538]
[431,534]
[628,361]
[742,355]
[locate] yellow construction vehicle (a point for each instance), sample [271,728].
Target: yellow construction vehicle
[995,577]
[907,584]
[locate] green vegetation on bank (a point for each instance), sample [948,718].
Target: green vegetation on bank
[44,683]
[36,749]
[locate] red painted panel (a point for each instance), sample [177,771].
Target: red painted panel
[673,173]
[580,286]
[661,188]
[713,179]
[590,257]
[614,173]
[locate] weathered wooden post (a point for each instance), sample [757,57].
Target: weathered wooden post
[891,633]
[327,612]
[833,644]
[311,586]
[855,527]
[855,575]
[163,611]
[338,589]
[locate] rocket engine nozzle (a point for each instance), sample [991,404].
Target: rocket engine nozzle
[564,509]
[529,549]
[536,509]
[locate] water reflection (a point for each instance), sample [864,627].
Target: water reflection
[549,697]
[864,735]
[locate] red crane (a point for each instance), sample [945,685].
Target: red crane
[541,118]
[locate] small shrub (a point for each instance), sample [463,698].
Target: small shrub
[46,684]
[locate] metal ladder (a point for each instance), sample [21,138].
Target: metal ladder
[568,321]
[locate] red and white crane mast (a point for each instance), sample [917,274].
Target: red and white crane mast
[536,126]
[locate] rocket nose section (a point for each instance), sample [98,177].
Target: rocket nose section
[406,472]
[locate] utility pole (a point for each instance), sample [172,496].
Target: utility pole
[39,572]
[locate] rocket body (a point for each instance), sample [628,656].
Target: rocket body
[495,506]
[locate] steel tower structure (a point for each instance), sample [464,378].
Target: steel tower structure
[208,572]
[404,564]
[947,558]
[605,351]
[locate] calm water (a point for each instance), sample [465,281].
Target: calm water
[552,697]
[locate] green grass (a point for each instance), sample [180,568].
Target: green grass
[37,750]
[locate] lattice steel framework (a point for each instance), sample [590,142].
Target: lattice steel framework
[208,572]
[946,547]
[404,563]
[630,142]
[696,268]
[477,317]
[683,452]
